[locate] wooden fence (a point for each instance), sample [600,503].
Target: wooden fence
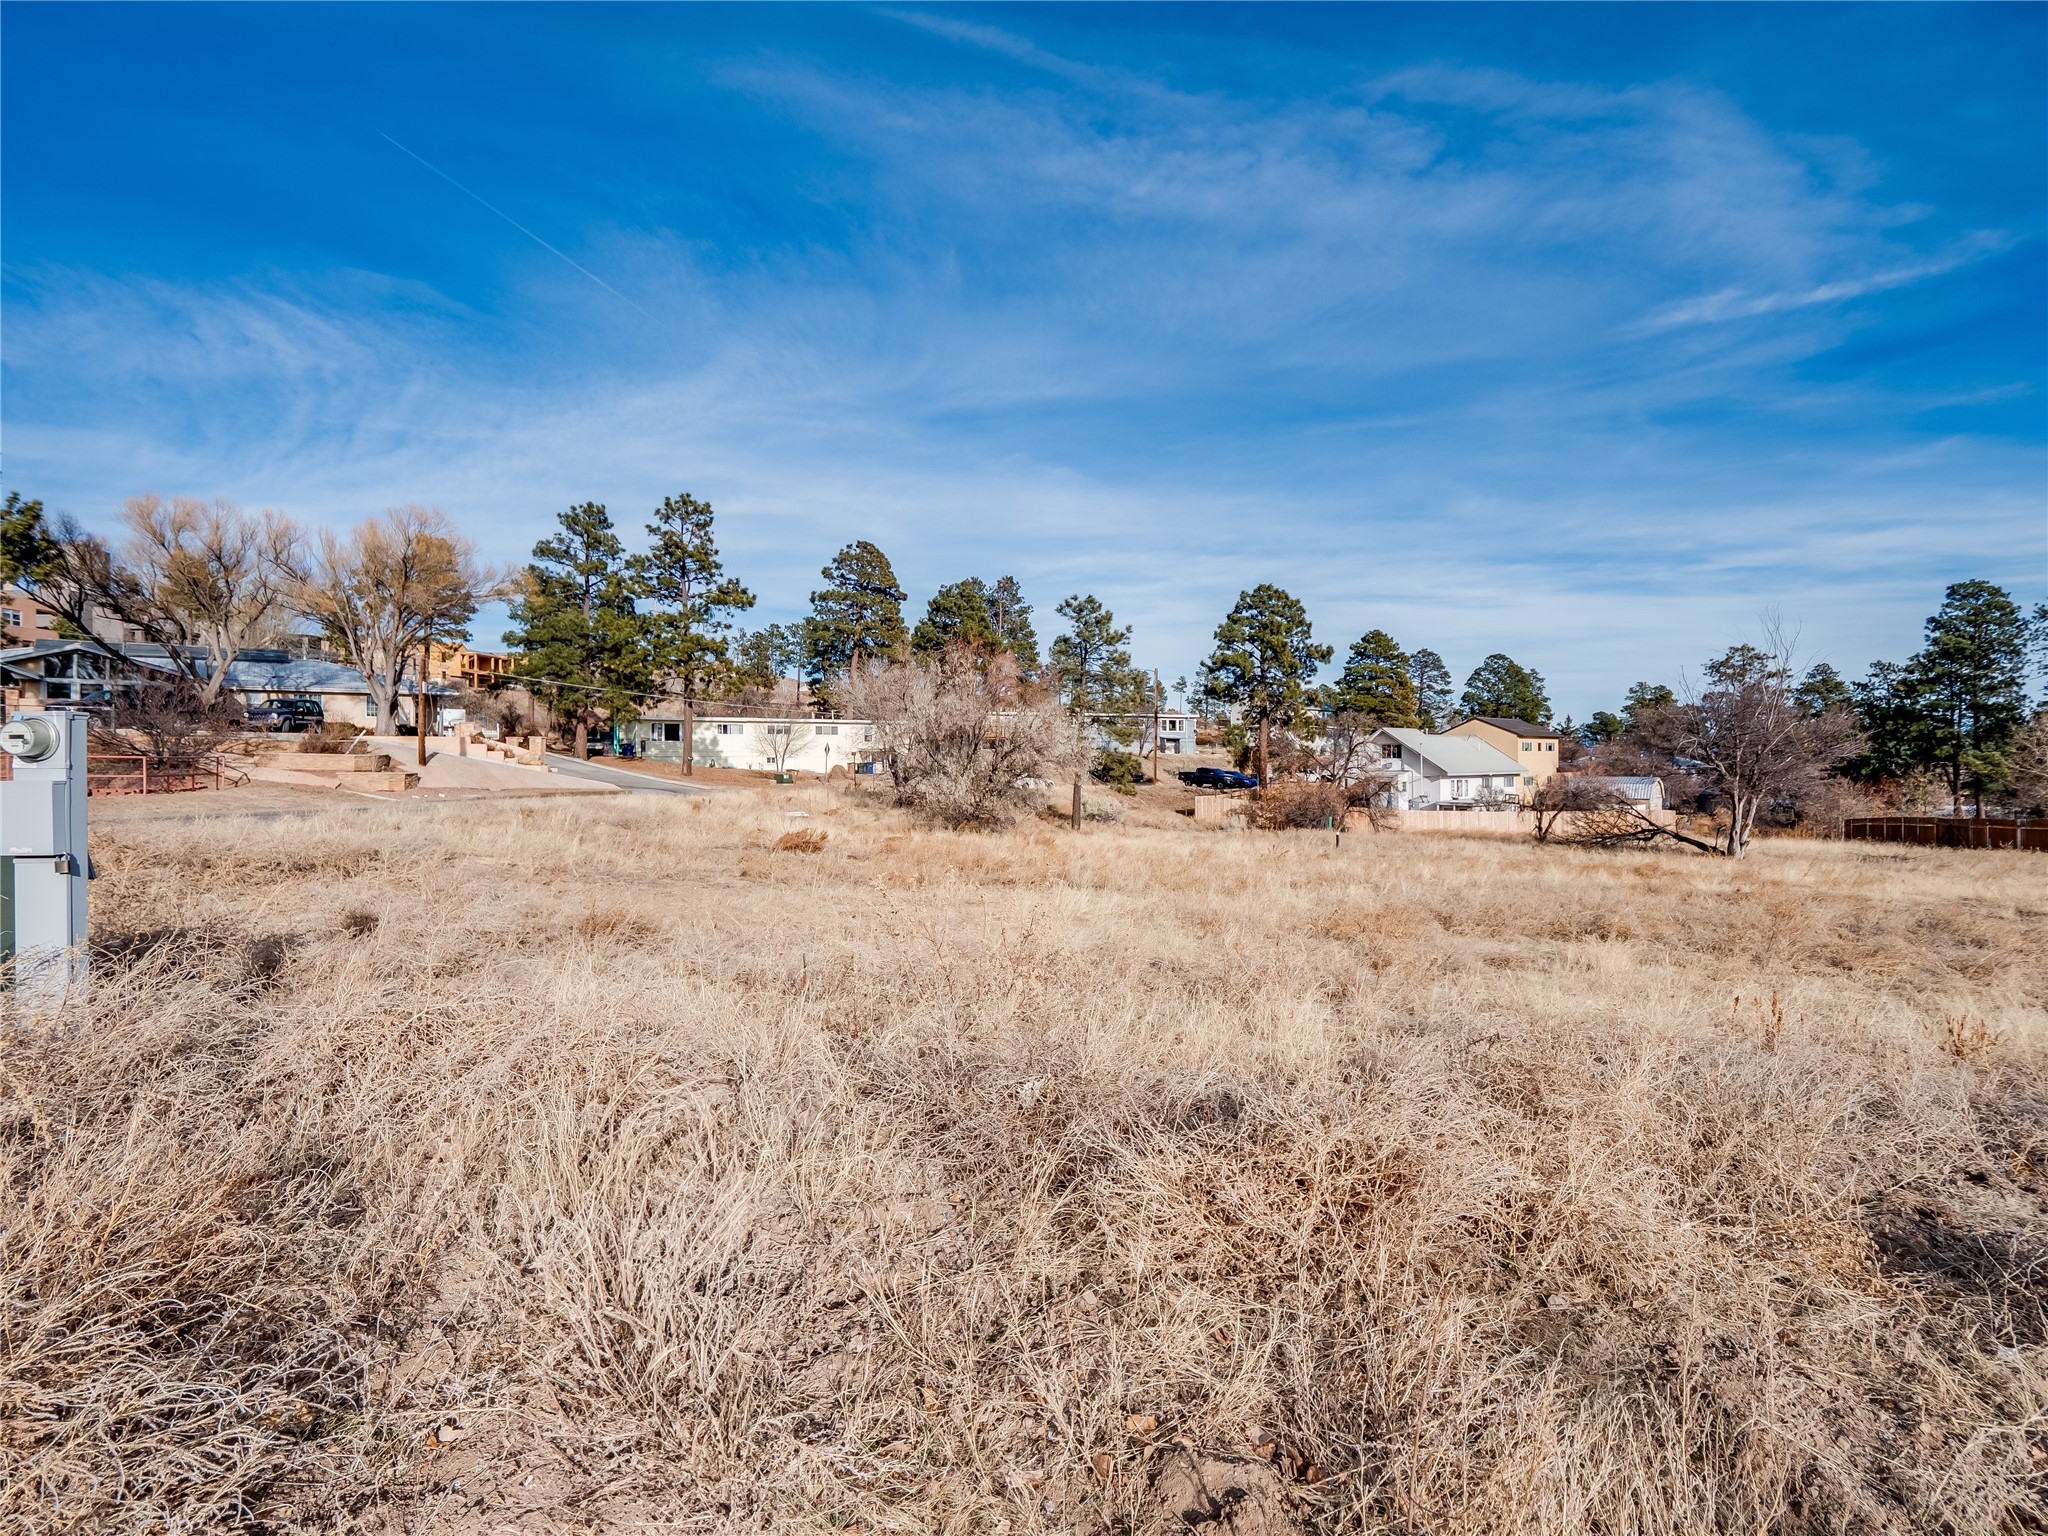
[1948,831]
[118,774]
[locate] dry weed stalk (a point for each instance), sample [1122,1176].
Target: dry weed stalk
[1021,1182]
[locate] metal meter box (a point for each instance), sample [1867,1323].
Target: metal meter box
[43,867]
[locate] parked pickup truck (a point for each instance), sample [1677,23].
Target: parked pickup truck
[1219,778]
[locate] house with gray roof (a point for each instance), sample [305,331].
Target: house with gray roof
[1447,773]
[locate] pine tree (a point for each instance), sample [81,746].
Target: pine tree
[1092,657]
[1641,700]
[1376,682]
[1503,687]
[685,634]
[1264,657]
[1823,689]
[957,613]
[1010,617]
[1432,680]
[1971,682]
[857,617]
[576,627]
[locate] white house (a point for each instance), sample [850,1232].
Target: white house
[790,744]
[1447,773]
[1176,731]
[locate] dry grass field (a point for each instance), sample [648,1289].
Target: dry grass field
[602,1165]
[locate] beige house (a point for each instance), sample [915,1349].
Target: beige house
[1532,746]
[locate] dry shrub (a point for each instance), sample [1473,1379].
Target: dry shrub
[614,923]
[1312,803]
[964,736]
[1030,1183]
[808,840]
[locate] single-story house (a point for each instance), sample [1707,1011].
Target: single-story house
[1533,746]
[61,672]
[787,744]
[1447,772]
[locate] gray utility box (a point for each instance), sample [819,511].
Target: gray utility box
[43,868]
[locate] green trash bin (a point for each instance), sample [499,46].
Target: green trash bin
[785,778]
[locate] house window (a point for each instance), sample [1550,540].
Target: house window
[826,730]
[732,728]
[11,617]
[1528,779]
[1528,746]
[669,730]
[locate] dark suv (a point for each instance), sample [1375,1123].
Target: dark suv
[286,715]
[1219,778]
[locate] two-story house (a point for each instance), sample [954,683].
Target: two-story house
[1446,773]
[1533,746]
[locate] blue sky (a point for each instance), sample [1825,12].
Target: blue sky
[1584,334]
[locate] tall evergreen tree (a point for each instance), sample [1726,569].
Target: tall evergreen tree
[857,617]
[1641,701]
[1822,689]
[1265,655]
[575,624]
[1502,686]
[1010,617]
[958,612]
[685,633]
[1376,682]
[1432,680]
[1971,678]
[1093,657]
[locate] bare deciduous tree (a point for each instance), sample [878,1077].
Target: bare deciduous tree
[783,738]
[1583,811]
[391,584]
[1756,742]
[204,580]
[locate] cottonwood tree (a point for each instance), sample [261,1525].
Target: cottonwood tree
[681,576]
[204,580]
[1502,686]
[575,622]
[391,585]
[857,617]
[1376,682]
[1264,658]
[209,577]
[1432,683]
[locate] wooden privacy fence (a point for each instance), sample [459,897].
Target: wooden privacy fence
[1949,831]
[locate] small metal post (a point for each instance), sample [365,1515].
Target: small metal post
[1077,802]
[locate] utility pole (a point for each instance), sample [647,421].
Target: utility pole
[426,653]
[689,733]
[1155,725]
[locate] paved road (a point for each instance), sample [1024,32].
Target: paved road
[624,778]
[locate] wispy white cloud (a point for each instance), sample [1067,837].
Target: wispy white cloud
[1155,343]
[1739,304]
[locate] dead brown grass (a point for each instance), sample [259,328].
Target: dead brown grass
[585,1166]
